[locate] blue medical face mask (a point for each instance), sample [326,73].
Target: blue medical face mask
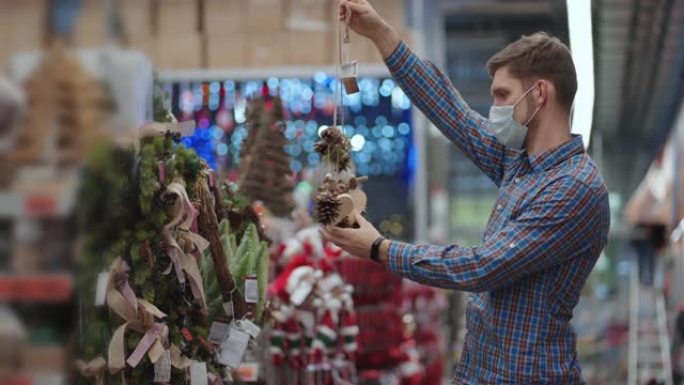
[505,128]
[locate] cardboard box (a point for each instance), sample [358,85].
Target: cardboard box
[25,24]
[392,11]
[265,50]
[146,44]
[176,17]
[309,48]
[178,51]
[223,16]
[310,15]
[264,16]
[90,29]
[225,53]
[136,16]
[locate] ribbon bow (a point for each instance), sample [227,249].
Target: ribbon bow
[94,368]
[186,246]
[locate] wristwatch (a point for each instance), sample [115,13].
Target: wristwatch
[375,249]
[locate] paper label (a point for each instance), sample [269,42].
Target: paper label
[198,373]
[218,332]
[162,368]
[228,308]
[251,290]
[248,372]
[233,349]
[250,328]
[101,289]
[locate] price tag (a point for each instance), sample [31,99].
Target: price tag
[251,289]
[218,332]
[233,349]
[228,308]
[248,372]
[101,289]
[198,374]
[250,328]
[162,368]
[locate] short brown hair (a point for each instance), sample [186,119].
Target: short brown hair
[539,56]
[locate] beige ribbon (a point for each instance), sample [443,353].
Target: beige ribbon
[143,321]
[94,368]
[178,360]
[115,299]
[186,245]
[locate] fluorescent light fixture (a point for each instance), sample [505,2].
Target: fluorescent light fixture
[582,46]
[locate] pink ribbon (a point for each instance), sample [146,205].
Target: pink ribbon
[151,336]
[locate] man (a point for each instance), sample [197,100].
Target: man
[549,224]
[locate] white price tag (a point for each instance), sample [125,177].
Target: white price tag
[218,332]
[251,290]
[233,349]
[228,308]
[101,289]
[198,373]
[162,368]
[250,328]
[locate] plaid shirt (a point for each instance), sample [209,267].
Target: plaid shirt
[545,233]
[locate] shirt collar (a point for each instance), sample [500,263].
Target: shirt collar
[550,158]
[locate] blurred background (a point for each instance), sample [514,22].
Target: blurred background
[73,71]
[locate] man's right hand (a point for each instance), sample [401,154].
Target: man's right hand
[365,20]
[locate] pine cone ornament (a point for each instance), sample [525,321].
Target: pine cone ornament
[327,208]
[335,147]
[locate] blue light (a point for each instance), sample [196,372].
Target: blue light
[381,120]
[404,128]
[216,132]
[306,108]
[307,94]
[385,91]
[385,144]
[364,157]
[272,82]
[360,120]
[376,169]
[377,132]
[389,83]
[296,166]
[348,130]
[222,149]
[320,77]
[214,87]
[388,131]
[295,150]
[362,169]
[362,130]
[313,158]
[229,85]
[308,146]
[399,143]
[357,142]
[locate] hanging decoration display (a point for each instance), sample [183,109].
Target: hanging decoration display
[177,284]
[314,333]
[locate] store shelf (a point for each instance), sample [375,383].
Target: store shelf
[39,197]
[42,287]
[199,75]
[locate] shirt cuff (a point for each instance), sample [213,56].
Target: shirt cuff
[401,61]
[399,258]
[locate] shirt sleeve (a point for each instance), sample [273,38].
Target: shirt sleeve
[555,227]
[434,94]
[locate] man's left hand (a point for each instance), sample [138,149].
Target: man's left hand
[357,242]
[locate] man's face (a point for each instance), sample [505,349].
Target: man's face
[506,90]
